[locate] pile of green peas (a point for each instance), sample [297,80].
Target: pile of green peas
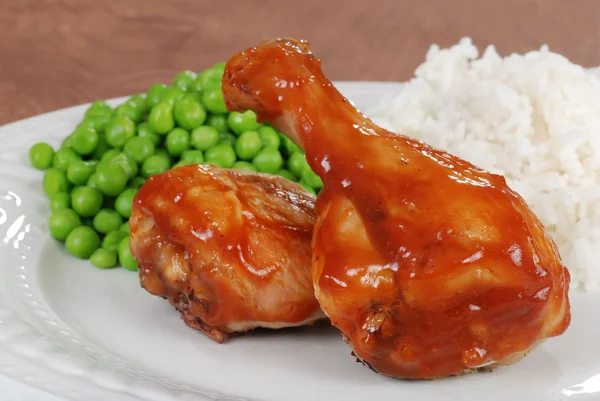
[92,179]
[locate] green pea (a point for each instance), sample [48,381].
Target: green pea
[242,165]
[131,111]
[219,122]
[96,122]
[63,157]
[268,160]
[192,97]
[107,220]
[67,142]
[297,163]
[125,228]
[139,148]
[189,114]
[196,86]
[184,80]
[62,222]
[105,162]
[138,101]
[79,172]
[220,66]
[40,155]
[127,163]
[119,130]
[124,202]
[125,258]
[161,118]
[60,200]
[192,157]
[311,178]
[286,174]
[221,156]
[204,137]
[248,145]
[109,155]
[162,152]
[155,164]
[82,242]
[213,77]
[136,182]
[181,163]
[98,108]
[289,146]
[112,240]
[92,181]
[145,131]
[241,122]
[269,136]
[227,138]
[55,180]
[171,95]
[85,140]
[111,179]
[206,80]
[86,201]
[101,148]
[103,259]
[178,141]
[154,95]
[213,101]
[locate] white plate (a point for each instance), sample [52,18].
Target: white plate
[86,334]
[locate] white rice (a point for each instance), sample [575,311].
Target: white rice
[534,118]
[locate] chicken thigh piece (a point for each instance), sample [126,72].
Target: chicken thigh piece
[230,249]
[429,265]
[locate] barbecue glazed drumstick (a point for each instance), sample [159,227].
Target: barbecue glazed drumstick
[230,249]
[428,265]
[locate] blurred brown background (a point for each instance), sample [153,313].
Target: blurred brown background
[58,53]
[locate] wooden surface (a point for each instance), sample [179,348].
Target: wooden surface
[59,53]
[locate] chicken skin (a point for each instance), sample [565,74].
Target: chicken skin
[230,249]
[428,265]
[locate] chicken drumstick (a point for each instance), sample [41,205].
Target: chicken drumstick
[429,265]
[230,249]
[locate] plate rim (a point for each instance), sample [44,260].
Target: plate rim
[40,376]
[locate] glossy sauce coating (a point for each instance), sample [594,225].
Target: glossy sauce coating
[429,265]
[230,249]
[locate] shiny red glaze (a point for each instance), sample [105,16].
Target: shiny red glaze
[230,249]
[429,265]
